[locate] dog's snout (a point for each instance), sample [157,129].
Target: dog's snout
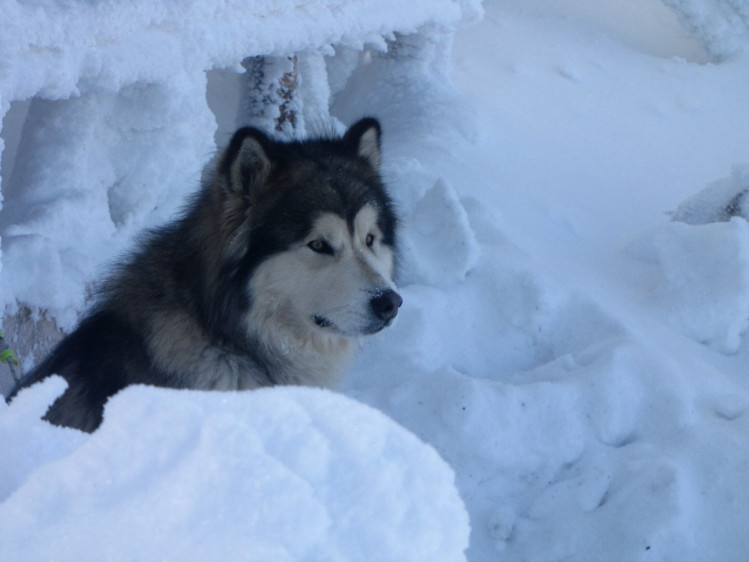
[386,304]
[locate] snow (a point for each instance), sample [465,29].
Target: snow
[201,491]
[575,271]
[703,283]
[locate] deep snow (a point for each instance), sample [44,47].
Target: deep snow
[572,342]
[201,490]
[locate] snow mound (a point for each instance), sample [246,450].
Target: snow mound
[27,441]
[705,280]
[440,247]
[274,474]
[703,263]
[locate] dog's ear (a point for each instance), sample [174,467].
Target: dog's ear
[246,165]
[363,138]
[241,177]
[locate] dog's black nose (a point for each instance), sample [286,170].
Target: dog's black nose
[386,304]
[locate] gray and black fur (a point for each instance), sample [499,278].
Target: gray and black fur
[206,302]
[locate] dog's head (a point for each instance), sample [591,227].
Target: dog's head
[312,231]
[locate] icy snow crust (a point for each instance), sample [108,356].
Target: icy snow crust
[575,273]
[60,49]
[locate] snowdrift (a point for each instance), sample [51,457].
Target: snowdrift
[279,474]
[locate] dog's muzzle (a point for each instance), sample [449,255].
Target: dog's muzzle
[384,307]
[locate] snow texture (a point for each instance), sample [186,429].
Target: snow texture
[278,474]
[573,339]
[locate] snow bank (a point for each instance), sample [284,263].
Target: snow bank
[276,474]
[705,285]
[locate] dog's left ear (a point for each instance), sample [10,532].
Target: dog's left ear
[363,137]
[246,164]
[242,177]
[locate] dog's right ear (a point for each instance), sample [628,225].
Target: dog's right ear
[246,166]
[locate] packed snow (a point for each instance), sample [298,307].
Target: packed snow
[567,377]
[201,490]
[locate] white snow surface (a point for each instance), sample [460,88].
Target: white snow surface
[268,475]
[575,271]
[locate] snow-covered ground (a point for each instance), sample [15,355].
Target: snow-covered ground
[572,343]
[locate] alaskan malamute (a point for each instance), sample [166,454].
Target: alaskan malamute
[281,261]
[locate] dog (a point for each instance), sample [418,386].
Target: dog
[277,266]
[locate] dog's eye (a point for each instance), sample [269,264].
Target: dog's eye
[321,247]
[369,240]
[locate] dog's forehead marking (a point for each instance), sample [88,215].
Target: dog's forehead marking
[330,226]
[334,227]
[365,221]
